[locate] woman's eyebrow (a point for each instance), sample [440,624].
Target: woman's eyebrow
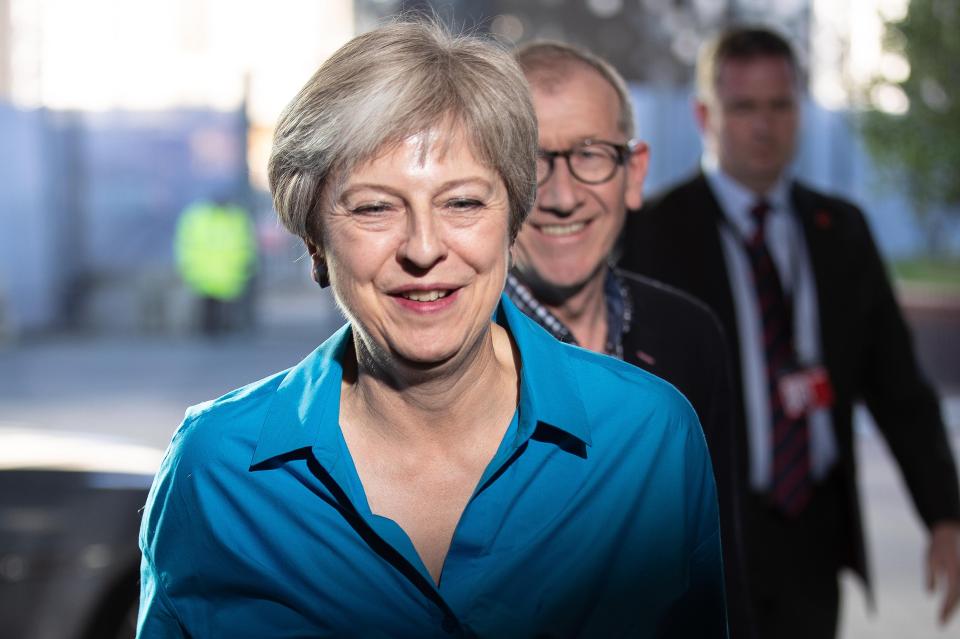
[372,186]
[446,186]
[478,180]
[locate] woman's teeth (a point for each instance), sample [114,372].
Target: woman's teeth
[425,296]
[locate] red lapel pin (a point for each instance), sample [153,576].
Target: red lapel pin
[823,219]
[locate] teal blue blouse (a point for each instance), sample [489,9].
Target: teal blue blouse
[597,516]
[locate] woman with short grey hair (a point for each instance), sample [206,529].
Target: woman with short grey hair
[389,84]
[440,465]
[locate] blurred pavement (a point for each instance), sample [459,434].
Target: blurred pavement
[137,388]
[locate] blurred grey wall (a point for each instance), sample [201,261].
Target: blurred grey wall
[649,41]
[31,275]
[89,203]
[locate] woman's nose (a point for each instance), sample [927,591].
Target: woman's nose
[423,245]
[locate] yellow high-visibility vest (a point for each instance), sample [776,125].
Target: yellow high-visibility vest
[215,250]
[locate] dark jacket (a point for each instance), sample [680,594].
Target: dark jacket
[866,346]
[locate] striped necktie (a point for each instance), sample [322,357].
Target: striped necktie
[792,485]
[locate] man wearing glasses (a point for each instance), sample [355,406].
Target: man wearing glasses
[589,172]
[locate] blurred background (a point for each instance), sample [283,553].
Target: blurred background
[130,129]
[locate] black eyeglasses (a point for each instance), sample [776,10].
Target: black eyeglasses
[591,161]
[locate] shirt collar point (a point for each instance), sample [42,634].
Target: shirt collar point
[299,410]
[548,387]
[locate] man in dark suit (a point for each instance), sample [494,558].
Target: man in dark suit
[590,171]
[803,295]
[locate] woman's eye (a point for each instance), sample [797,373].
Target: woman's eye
[464,204]
[370,209]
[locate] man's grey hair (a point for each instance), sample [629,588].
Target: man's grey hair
[547,63]
[399,80]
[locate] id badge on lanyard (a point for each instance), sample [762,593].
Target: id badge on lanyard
[804,390]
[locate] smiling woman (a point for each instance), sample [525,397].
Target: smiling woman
[416,247]
[440,465]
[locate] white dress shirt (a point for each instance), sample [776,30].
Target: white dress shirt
[784,239]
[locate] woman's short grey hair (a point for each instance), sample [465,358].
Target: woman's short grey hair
[386,85]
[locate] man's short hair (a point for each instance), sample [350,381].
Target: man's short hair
[547,63]
[741,44]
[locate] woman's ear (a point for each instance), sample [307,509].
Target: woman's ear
[320,274]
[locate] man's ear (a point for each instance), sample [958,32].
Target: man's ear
[637,166]
[701,113]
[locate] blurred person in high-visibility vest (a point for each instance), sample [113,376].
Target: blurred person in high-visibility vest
[216,254]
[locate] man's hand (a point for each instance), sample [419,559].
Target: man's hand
[943,565]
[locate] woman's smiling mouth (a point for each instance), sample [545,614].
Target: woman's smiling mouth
[426,296]
[426,299]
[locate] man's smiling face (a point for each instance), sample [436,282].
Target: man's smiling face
[567,238]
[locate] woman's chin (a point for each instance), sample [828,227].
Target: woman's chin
[426,358]
[432,352]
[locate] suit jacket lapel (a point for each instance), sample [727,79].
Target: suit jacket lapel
[833,292]
[715,289]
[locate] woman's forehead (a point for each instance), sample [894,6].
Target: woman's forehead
[442,143]
[437,139]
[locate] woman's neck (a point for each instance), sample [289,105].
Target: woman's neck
[406,403]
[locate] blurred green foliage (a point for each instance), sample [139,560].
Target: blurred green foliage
[944,273]
[920,149]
